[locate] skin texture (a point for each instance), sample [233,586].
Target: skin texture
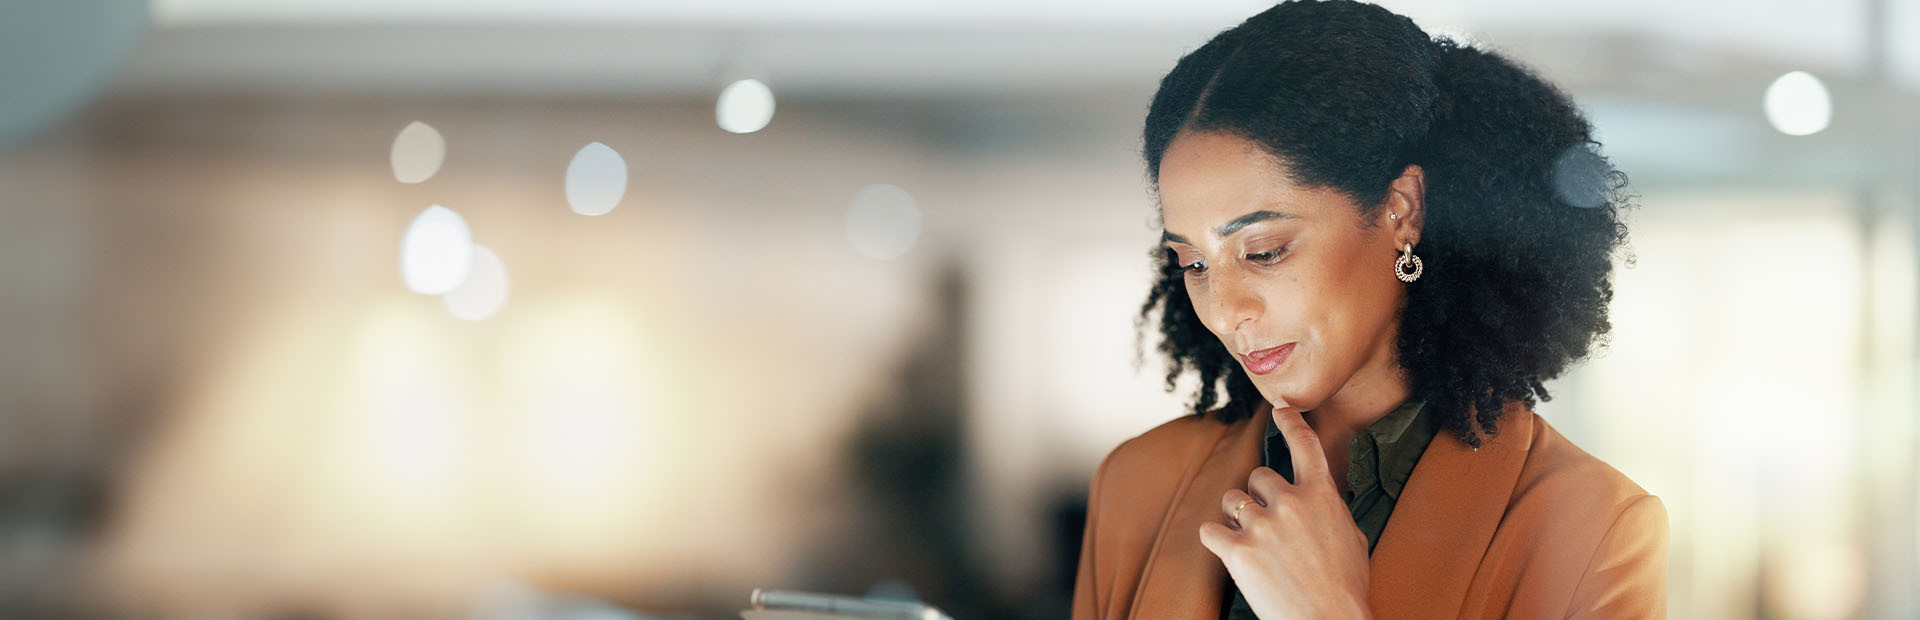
[1320,276]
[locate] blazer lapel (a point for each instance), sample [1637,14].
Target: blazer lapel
[1424,561]
[1444,520]
[1181,578]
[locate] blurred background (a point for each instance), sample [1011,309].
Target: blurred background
[492,309]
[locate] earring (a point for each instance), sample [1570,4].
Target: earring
[1393,216]
[1400,266]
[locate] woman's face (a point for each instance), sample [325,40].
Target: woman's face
[1271,264]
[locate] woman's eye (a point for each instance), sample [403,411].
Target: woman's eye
[1268,256]
[1195,267]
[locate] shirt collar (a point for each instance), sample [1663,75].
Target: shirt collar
[1383,455]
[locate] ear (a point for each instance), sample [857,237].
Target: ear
[1406,211]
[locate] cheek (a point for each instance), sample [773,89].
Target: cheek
[1343,310]
[1359,311]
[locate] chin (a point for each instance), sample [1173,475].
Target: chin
[1295,392]
[1295,397]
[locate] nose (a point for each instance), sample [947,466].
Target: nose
[1236,302]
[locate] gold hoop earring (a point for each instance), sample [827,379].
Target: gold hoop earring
[1407,258]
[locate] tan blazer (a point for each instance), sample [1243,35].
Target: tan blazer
[1528,526]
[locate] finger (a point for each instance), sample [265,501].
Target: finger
[1217,538]
[1265,484]
[1309,460]
[1230,503]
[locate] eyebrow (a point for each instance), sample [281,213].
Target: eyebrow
[1233,226]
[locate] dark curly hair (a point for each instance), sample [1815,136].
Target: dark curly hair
[1522,210]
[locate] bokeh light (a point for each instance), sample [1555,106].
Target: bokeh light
[883,222]
[418,152]
[437,251]
[1580,176]
[1797,104]
[745,106]
[254,418]
[596,179]
[485,289]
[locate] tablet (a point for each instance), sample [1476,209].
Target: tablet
[795,605]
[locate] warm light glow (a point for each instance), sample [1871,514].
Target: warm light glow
[1817,580]
[1743,356]
[437,252]
[405,427]
[579,392]
[418,152]
[483,292]
[745,106]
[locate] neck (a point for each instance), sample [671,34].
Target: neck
[1369,396]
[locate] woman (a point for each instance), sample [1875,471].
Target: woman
[1382,244]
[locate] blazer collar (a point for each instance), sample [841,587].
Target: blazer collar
[1424,561]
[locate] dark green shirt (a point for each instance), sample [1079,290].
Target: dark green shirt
[1380,460]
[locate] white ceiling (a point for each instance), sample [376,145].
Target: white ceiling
[1635,64]
[731,12]
[1824,34]
[868,46]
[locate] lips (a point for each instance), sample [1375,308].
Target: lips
[1266,360]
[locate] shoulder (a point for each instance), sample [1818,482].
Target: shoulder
[1132,490]
[1154,459]
[1186,434]
[1596,515]
[1605,535]
[1559,472]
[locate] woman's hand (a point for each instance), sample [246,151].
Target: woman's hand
[1296,552]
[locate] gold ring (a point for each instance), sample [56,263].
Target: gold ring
[1236,509]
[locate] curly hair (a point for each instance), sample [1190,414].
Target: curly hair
[1522,211]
